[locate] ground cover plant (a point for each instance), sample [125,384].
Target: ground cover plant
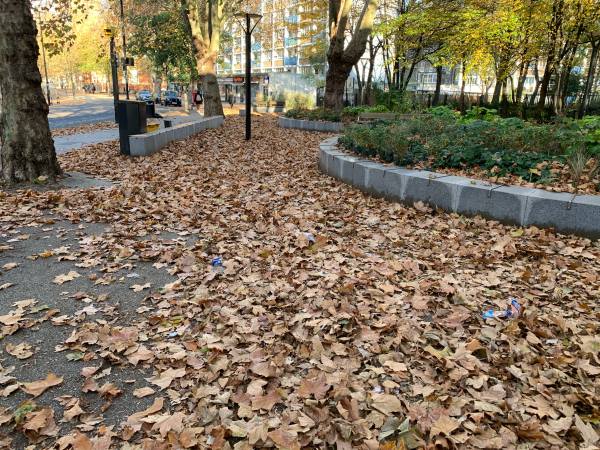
[562,155]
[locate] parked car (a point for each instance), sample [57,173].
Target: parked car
[145,96]
[169,98]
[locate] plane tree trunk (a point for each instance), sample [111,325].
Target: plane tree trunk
[204,19]
[589,81]
[26,145]
[439,72]
[340,58]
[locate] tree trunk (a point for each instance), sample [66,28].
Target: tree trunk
[368,79]
[335,81]
[589,81]
[26,148]
[544,86]
[409,75]
[369,83]
[342,59]
[562,89]
[463,82]
[397,73]
[521,81]
[386,63]
[536,88]
[497,92]
[203,21]
[438,84]
[512,88]
[359,81]
[210,88]
[551,59]
[156,84]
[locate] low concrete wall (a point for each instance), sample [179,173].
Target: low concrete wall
[268,109]
[514,205]
[263,110]
[148,143]
[310,125]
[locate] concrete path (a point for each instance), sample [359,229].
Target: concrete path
[70,244]
[63,144]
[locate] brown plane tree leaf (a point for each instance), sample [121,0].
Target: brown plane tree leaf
[316,387]
[36,388]
[284,439]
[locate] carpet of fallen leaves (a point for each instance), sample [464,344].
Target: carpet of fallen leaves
[338,320]
[84,128]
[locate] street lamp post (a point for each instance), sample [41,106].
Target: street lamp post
[114,70]
[248,29]
[125,76]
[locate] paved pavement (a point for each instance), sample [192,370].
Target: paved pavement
[77,302]
[63,144]
[88,109]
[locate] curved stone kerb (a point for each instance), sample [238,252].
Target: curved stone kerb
[310,125]
[514,205]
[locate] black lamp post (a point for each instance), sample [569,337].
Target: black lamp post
[114,68]
[125,60]
[248,29]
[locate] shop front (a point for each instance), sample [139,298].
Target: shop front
[233,90]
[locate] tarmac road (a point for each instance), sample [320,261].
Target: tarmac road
[80,110]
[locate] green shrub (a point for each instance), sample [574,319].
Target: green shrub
[443,111]
[499,146]
[400,102]
[298,100]
[313,114]
[590,126]
[480,113]
[354,111]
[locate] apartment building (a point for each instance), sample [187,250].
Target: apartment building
[425,76]
[281,44]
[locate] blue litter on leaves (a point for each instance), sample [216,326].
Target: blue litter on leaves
[512,311]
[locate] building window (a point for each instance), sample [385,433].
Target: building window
[472,79]
[428,78]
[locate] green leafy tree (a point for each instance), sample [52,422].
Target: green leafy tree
[164,41]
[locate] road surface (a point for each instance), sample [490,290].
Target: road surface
[82,109]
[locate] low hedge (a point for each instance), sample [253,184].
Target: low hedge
[443,139]
[349,113]
[313,114]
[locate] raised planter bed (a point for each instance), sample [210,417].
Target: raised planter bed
[263,109]
[514,205]
[268,109]
[310,125]
[148,143]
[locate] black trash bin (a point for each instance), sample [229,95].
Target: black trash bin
[150,110]
[132,120]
